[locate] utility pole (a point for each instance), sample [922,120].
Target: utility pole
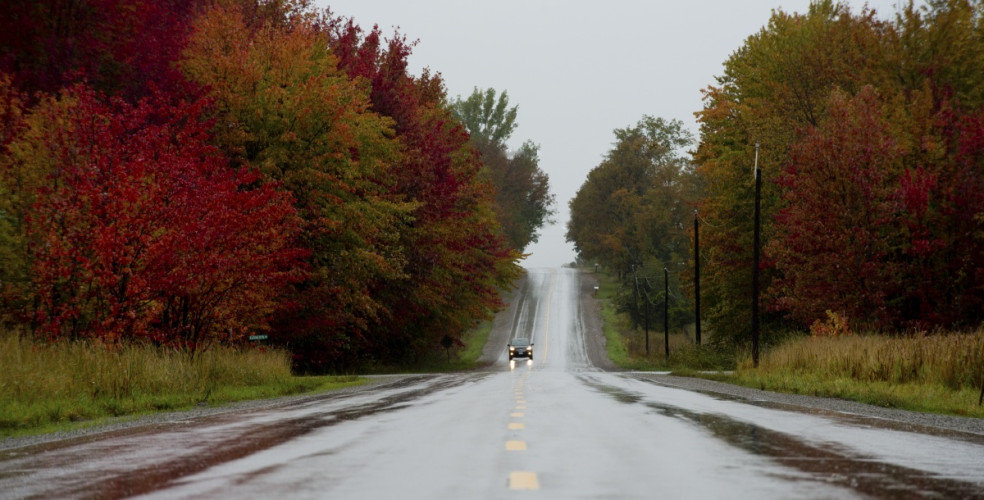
[666,311]
[635,297]
[645,304]
[755,262]
[697,278]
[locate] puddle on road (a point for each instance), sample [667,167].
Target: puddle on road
[125,482]
[828,464]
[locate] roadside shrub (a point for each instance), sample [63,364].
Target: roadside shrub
[835,326]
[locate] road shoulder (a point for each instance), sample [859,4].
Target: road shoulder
[904,420]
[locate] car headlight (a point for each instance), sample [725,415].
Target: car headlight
[511,348]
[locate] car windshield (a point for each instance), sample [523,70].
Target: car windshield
[520,342]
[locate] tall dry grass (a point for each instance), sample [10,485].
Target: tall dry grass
[69,381]
[952,360]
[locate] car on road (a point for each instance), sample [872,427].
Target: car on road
[520,348]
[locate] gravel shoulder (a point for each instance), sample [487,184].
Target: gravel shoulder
[591,323]
[927,423]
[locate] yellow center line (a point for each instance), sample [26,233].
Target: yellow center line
[523,480]
[516,426]
[516,445]
[517,415]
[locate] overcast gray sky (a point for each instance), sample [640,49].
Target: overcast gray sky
[577,69]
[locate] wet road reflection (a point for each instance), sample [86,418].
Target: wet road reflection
[132,462]
[829,463]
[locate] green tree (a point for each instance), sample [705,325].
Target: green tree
[17,193]
[630,214]
[485,117]
[633,203]
[522,192]
[523,199]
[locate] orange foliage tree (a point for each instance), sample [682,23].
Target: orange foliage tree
[458,259]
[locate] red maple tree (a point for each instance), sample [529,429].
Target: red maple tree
[145,231]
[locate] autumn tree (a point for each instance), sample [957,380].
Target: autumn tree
[834,236]
[143,231]
[120,47]
[286,107]
[313,140]
[878,225]
[774,87]
[457,260]
[633,201]
[865,127]
[939,42]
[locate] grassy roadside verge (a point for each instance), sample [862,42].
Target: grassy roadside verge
[939,373]
[68,385]
[73,384]
[627,346]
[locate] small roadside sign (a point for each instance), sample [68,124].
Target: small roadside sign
[257,337]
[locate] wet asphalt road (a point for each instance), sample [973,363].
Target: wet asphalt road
[557,427]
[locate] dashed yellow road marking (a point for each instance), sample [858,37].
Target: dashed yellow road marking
[516,445]
[523,480]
